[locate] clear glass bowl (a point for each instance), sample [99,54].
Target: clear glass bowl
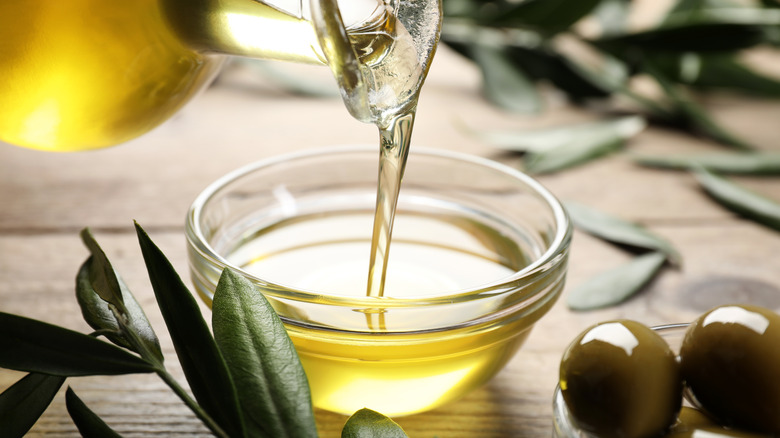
[479,254]
[564,426]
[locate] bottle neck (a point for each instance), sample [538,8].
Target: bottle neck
[268,29]
[246,28]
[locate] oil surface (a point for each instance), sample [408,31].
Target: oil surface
[380,362]
[433,255]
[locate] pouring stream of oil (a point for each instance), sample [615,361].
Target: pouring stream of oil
[382,86]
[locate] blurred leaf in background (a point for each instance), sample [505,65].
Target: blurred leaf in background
[694,49]
[559,147]
[595,54]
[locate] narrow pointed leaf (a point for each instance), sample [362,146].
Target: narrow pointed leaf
[23,403]
[366,423]
[705,30]
[711,72]
[35,346]
[203,365]
[707,37]
[616,285]
[529,140]
[89,424]
[693,114]
[715,11]
[504,84]
[726,72]
[612,75]
[102,274]
[619,231]
[599,140]
[544,63]
[682,8]
[272,386]
[540,140]
[748,163]
[551,16]
[571,154]
[125,331]
[740,199]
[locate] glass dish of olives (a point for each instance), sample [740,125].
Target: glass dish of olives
[714,377]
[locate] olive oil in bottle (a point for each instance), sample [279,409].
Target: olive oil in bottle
[84,74]
[87,74]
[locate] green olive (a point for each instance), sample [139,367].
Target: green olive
[621,379]
[692,423]
[730,360]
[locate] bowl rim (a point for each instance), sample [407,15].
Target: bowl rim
[545,262]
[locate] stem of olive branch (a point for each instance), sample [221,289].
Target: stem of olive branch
[185,397]
[159,367]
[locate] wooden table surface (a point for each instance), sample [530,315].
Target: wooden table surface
[47,198]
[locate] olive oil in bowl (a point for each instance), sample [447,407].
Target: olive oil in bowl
[479,255]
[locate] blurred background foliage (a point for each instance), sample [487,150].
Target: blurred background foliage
[595,54]
[590,51]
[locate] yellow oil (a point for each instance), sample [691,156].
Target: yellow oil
[394,360]
[404,373]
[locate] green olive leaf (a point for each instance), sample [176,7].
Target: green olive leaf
[685,8]
[612,74]
[747,163]
[583,145]
[545,63]
[719,11]
[704,37]
[691,113]
[726,72]
[202,363]
[571,154]
[102,275]
[504,84]
[616,285]
[36,346]
[366,423]
[552,16]
[740,200]
[132,330]
[23,402]
[712,72]
[546,139]
[89,424]
[271,383]
[619,231]
[704,30]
